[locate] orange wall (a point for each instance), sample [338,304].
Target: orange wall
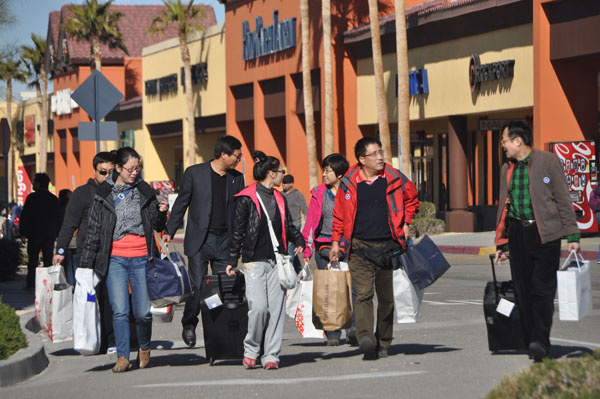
[266,136]
[69,169]
[565,92]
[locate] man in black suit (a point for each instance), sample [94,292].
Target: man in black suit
[207,190]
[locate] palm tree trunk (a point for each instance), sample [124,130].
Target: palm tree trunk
[404,160]
[189,137]
[382,113]
[43,160]
[97,53]
[309,118]
[328,75]
[10,173]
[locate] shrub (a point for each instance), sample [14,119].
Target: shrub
[425,221]
[11,337]
[10,253]
[558,379]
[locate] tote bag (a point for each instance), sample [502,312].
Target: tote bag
[332,299]
[574,289]
[407,299]
[86,313]
[423,263]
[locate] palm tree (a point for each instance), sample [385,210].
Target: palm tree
[382,112]
[328,75]
[403,95]
[34,57]
[96,24]
[309,117]
[11,70]
[185,18]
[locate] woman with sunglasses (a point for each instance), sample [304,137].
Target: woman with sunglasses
[319,220]
[119,241]
[251,238]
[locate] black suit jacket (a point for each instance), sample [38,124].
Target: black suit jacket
[195,194]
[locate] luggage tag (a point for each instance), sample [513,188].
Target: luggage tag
[505,307]
[213,301]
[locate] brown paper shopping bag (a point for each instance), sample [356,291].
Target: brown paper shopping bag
[332,300]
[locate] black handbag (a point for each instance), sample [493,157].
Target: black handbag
[384,256]
[423,263]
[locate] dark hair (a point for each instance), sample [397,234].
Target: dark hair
[63,196]
[360,148]
[337,162]
[103,157]
[288,179]
[226,144]
[41,181]
[263,164]
[124,154]
[519,129]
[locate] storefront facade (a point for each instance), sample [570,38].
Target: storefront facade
[470,71]
[159,137]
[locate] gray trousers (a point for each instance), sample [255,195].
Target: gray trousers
[266,299]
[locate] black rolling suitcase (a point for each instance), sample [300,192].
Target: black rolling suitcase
[504,333]
[225,326]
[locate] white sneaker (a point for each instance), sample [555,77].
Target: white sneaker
[112,353]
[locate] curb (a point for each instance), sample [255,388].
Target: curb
[27,362]
[486,251]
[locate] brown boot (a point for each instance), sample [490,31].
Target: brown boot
[121,365]
[143,357]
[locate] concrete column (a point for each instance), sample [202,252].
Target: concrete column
[458,218]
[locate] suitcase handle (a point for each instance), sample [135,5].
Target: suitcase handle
[492,257]
[228,305]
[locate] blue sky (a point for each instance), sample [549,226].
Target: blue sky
[32,16]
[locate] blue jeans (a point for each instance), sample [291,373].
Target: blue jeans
[121,271]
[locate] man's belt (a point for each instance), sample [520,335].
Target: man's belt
[217,232]
[524,222]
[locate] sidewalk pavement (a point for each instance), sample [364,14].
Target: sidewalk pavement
[482,243]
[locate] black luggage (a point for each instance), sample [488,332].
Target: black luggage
[504,333]
[225,326]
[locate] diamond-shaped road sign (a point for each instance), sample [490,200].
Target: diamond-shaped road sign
[97,96]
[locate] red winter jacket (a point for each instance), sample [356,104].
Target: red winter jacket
[402,201]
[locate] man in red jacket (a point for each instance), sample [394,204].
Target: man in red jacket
[374,207]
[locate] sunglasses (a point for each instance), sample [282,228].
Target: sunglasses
[103,172]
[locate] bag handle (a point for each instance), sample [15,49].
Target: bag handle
[164,249]
[565,265]
[274,240]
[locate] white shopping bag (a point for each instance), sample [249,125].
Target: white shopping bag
[86,313]
[164,314]
[303,317]
[407,299]
[61,318]
[574,289]
[292,296]
[45,279]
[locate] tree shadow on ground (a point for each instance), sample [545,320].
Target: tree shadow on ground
[419,349]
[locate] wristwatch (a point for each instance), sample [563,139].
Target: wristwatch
[60,251]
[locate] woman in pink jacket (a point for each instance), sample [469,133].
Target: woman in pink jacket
[317,229]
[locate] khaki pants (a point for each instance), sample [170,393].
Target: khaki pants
[367,278]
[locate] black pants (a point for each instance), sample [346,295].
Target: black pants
[215,251]
[533,266]
[34,245]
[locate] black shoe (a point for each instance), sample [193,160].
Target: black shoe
[351,337]
[189,337]
[383,353]
[537,351]
[333,341]
[367,347]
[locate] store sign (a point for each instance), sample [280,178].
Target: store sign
[29,129]
[487,72]
[267,40]
[23,185]
[418,82]
[62,103]
[495,124]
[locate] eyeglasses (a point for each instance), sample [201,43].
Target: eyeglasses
[132,169]
[375,154]
[238,155]
[502,141]
[328,170]
[104,172]
[278,171]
